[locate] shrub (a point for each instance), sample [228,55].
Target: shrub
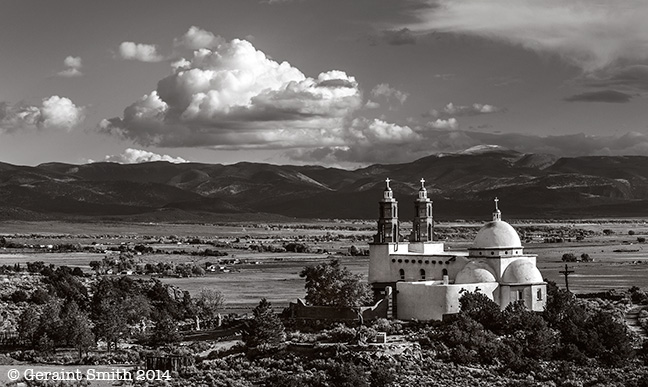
[19,296]
[569,257]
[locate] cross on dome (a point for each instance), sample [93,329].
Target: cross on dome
[422,183]
[387,180]
[497,214]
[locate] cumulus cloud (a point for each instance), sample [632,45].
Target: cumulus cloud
[387,93]
[371,132]
[196,38]
[140,52]
[452,110]
[608,96]
[53,113]
[72,67]
[136,156]
[235,97]
[450,123]
[588,34]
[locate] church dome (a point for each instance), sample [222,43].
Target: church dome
[475,272]
[522,272]
[497,235]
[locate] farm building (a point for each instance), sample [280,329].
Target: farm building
[428,281]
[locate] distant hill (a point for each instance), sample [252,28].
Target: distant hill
[462,185]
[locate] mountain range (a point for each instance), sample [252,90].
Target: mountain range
[462,186]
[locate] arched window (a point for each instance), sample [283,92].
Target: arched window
[445,272]
[422,274]
[429,233]
[539,294]
[401,272]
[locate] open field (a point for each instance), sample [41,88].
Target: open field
[619,261]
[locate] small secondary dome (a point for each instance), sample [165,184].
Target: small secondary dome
[522,272]
[475,272]
[497,235]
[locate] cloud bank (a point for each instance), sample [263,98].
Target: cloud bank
[53,113]
[608,96]
[589,34]
[430,140]
[136,156]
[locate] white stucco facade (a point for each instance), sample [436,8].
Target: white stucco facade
[430,280]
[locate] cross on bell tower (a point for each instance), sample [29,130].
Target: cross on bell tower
[388,227]
[423,223]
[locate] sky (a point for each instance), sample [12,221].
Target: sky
[343,83]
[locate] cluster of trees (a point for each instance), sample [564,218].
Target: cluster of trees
[123,262]
[117,309]
[571,257]
[295,247]
[566,330]
[15,268]
[209,253]
[126,262]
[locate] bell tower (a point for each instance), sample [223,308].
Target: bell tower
[423,223]
[388,219]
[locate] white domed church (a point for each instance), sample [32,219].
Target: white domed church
[427,281]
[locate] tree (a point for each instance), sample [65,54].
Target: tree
[209,303]
[76,326]
[329,284]
[116,303]
[482,309]
[641,239]
[585,258]
[569,257]
[348,375]
[35,267]
[529,331]
[110,322]
[28,323]
[165,331]
[264,328]
[50,323]
[353,250]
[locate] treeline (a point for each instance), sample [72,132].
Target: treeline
[65,313]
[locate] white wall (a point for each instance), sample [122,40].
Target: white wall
[430,300]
